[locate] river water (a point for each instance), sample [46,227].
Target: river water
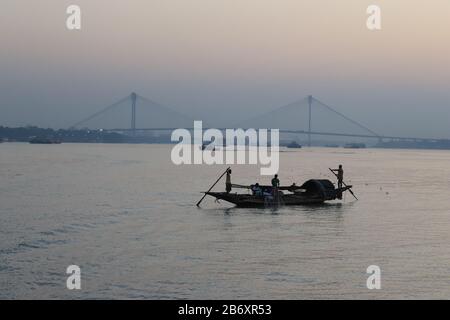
[127,217]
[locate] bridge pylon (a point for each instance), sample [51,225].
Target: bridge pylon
[133,113]
[310,98]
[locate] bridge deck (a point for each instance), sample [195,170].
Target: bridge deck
[379,137]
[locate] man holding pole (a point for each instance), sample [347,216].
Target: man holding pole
[228,181]
[339,175]
[228,172]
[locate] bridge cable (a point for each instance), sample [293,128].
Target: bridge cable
[100,112]
[275,111]
[347,118]
[166,109]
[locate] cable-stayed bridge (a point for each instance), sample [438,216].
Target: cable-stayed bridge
[134,113]
[309,116]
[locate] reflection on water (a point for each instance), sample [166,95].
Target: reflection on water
[127,217]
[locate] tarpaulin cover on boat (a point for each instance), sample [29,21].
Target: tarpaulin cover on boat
[325,188]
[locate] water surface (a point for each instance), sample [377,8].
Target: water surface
[126,215]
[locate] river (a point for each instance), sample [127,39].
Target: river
[127,217]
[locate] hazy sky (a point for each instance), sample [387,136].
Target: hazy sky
[225,59]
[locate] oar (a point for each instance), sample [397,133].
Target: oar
[198,203]
[344,184]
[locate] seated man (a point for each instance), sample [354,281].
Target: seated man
[256,190]
[267,193]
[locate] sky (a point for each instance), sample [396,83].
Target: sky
[226,60]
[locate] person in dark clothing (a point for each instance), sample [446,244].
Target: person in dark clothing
[228,181]
[340,175]
[256,190]
[275,181]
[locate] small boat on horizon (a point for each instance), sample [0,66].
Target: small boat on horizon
[37,140]
[294,145]
[355,146]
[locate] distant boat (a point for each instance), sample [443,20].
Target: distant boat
[37,140]
[294,145]
[355,146]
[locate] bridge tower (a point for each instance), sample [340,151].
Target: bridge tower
[309,122]
[133,113]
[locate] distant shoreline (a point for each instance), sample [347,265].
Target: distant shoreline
[25,134]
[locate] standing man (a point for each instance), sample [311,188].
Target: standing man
[275,181]
[340,175]
[228,181]
[275,185]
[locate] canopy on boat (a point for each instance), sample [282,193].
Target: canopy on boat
[315,186]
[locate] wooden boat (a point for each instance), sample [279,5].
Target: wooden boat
[311,192]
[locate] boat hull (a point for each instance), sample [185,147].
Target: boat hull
[252,201]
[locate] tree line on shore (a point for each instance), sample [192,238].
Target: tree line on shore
[25,134]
